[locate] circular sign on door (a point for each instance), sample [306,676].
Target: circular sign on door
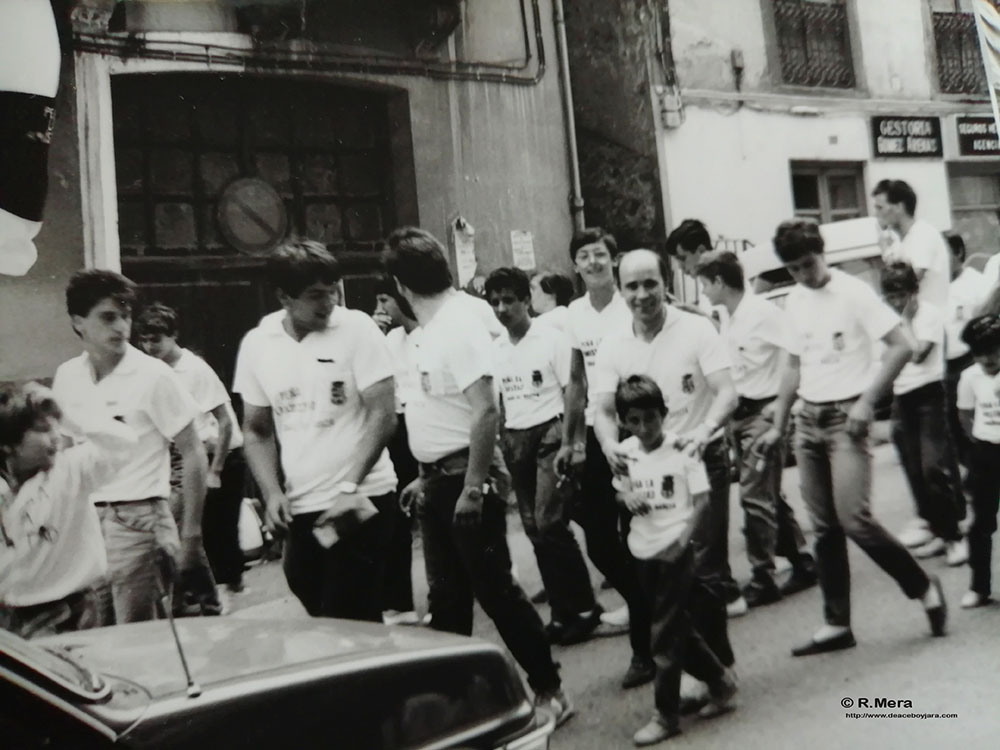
[252,216]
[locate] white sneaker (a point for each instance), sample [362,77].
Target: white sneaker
[737,607]
[916,534]
[958,553]
[972,599]
[558,704]
[616,618]
[426,622]
[393,617]
[936,546]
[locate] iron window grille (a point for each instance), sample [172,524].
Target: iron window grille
[960,65]
[814,43]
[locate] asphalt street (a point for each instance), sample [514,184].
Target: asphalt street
[785,702]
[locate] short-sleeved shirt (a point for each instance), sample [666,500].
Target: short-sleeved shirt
[667,480]
[679,358]
[991,271]
[967,292]
[834,331]
[148,396]
[532,374]
[397,340]
[925,249]
[448,354]
[587,326]
[977,392]
[313,388]
[209,393]
[927,325]
[482,311]
[50,536]
[557,317]
[756,334]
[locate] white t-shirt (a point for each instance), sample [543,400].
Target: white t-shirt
[532,374]
[925,249]
[977,392]
[587,327]
[313,388]
[667,480]
[557,317]
[50,536]
[482,311]
[208,392]
[680,356]
[991,271]
[927,325]
[447,355]
[755,335]
[967,292]
[397,339]
[149,397]
[834,329]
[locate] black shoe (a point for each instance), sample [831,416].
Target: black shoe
[837,643]
[802,578]
[693,704]
[554,632]
[581,628]
[938,616]
[640,671]
[542,597]
[759,594]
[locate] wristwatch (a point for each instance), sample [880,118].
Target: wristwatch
[474,493]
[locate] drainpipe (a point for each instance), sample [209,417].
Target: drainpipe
[576,194]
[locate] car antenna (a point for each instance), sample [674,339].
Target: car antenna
[167,568]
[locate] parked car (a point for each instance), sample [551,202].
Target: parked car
[313,683]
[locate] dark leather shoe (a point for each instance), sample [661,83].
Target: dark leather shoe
[581,628]
[800,580]
[640,671]
[837,643]
[938,616]
[554,632]
[758,595]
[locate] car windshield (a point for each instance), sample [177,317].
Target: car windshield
[57,665]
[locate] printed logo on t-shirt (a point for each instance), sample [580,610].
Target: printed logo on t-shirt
[425,382]
[536,378]
[838,341]
[588,349]
[667,487]
[338,397]
[687,383]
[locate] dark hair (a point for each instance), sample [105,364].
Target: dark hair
[20,409]
[385,284]
[297,263]
[982,334]
[722,264]
[796,238]
[157,318]
[638,392]
[87,288]
[957,245]
[559,286]
[510,278]
[589,236]
[899,276]
[418,260]
[689,235]
[897,191]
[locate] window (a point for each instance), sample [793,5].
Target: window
[975,208]
[814,43]
[828,192]
[959,63]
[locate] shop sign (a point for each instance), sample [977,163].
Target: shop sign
[907,137]
[977,136]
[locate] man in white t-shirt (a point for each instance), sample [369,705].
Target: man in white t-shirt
[921,245]
[834,320]
[756,335]
[591,317]
[316,381]
[532,367]
[685,356]
[919,418]
[452,419]
[140,532]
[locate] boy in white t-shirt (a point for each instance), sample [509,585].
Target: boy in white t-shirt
[919,418]
[666,492]
[979,410]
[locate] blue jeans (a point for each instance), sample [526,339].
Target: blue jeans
[835,469]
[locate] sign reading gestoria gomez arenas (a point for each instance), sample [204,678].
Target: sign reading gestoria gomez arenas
[977,136]
[912,137]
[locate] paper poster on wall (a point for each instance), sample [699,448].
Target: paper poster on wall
[465,250]
[522,246]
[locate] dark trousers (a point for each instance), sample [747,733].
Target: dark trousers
[399,561]
[676,643]
[984,477]
[346,579]
[544,510]
[221,521]
[596,510]
[711,539]
[836,474]
[473,562]
[924,443]
[963,443]
[78,611]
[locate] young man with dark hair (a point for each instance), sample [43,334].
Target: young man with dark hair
[598,313]
[835,319]
[452,419]
[689,240]
[919,418]
[52,556]
[157,329]
[921,244]
[139,530]
[532,365]
[316,381]
[756,335]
